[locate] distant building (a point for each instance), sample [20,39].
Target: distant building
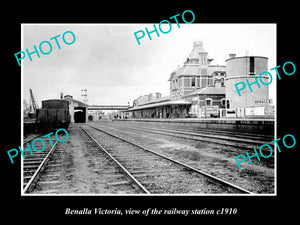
[148,99]
[78,110]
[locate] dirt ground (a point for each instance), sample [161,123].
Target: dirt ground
[77,168]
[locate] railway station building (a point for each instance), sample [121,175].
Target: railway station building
[196,90]
[162,107]
[199,89]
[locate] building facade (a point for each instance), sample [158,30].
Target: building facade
[207,101]
[196,90]
[78,110]
[197,72]
[203,90]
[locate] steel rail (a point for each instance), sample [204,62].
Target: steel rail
[221,137]
[197,136]
[237,134]
[180,163]
[31,183]
[118,163]
[30,139]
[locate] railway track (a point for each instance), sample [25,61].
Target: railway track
[34,164]
[244,135]
[156,173]
[29,139]
[221,140]
[54,171]
[134,182]
[199,130]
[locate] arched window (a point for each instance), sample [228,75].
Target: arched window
[223,101]
[228,104]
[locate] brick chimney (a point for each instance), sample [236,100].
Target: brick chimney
[158,95]
[232,55]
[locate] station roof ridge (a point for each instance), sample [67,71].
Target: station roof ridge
[75,100]
[165,98]
[163,103]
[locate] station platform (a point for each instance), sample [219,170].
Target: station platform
[217,120]
[260,125]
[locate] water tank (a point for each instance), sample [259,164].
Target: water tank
[238,69]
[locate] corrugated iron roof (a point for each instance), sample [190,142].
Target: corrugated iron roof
[165,103]
[80,103]
[194,70]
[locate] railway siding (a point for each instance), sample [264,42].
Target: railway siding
[212,158]
[159,175]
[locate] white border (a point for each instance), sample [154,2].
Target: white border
[117,195]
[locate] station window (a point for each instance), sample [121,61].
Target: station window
[193,82]
[209,101]
[252,72]
[227,104]
[223,101]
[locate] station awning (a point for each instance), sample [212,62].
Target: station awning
[160,104]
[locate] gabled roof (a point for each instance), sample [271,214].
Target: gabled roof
[161,99]
[191,70]
[144,100]
[80,103]
[191,66]
[194,70]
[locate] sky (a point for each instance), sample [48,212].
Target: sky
[107,60]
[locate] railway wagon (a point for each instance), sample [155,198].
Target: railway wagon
[53,115]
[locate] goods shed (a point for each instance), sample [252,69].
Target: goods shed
[78,110]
